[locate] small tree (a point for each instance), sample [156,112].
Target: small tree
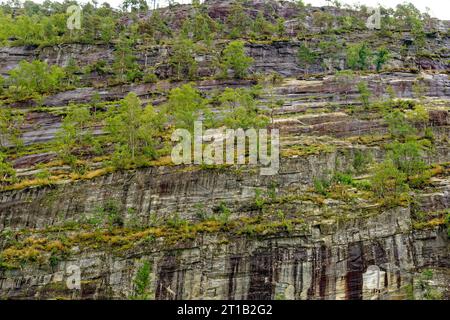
[74,133]
[364,94]
[281,28]
[234,58]
[238,21]
[358,56]
[323,20]
[134,129]
[306,57]
[6,169]
[125,66]
[10,124]
[184,105]
[141,282]
[28,79]
[262,28]
[183,59]
[240,110]
[2,83]
[399,128]
[381,57]
[408,157]
[387,180]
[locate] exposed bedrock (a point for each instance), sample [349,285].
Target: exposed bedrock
[372,258]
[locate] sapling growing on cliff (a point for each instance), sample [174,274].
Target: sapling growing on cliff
[306,57]
[134,130]
[141,282]
[29,79]
[235,59]
[387,180]
[6,169]
[381,57]
[125,66]
[10,124]
[364,94]
[182,59]
[240,110]
[238,22]
[358,56]
[74,134]
[184,106]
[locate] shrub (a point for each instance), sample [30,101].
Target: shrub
[234,58]
[407,157]
[182,59]
[184,106]
[361,160]
[387,180]
[343,178]
[134,129]
[6,169]
[306,57]
[358,56]
[399,127]
[364,94]
[240,109]
[321,186]
[29,79]
[381,57]
[141,282]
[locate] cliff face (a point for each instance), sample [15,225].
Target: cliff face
[226,232]
[327,248]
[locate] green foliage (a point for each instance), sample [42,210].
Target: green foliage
[155,27]
[409,17]
[182,59]
[405,163]
[200,27]
[321,186]
[408,157]
[224,213]
[280,27]
[6,169]
[387,180]
[358,56]
[259,201]
[234,58]
[74,134]
[361,160]
[343,178]
[364,94]
[150,76]
[141,282]
[323,20]
[240,109]
[125,66]
[2,83]
[238,22]
[35,78]
[46,24]
[381,57]
[306,57]
[10,123]
[71,73]
[134,130]
[263,29]
[184,106]
[107,215]
[419,115]
[399,128]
